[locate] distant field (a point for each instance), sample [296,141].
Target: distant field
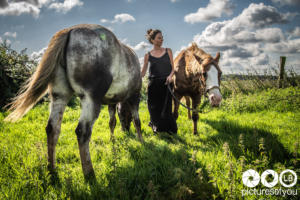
[257,130]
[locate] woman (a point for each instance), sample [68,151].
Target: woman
[160,75]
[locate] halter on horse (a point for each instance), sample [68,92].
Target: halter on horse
[203,74]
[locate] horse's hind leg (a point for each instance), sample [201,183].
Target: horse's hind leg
[60,93]
[133,103]
[89,113]
[112,120]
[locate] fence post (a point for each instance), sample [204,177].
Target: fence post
[281,71]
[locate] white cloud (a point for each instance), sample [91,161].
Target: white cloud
[249,26]
[37,56]
[269,35]
[141,46]
[33,7]
[215,9]
[286,2]
[296,32]
[10,34]
[247,40]
[141,60]
[174,1]
[291,46]
[19,8]
[33,2]
[122,18]
[66,6]
[261,15]
[104,21]
[119,18]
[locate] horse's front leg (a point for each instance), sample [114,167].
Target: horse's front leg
[188,104]
[195,115]
[89,113]
[176,105]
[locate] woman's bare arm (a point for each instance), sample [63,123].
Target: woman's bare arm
[169,79]
[145,67]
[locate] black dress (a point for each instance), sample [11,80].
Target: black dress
[159,97]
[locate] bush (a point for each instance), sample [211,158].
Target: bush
[15,69]
[280,100]
[253,81]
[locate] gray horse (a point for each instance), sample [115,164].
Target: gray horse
[89,61]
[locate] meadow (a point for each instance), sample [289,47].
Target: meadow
[253,129]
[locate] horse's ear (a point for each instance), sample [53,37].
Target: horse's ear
[217,57]
[198,58]
[194,44]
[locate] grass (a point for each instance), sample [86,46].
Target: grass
[255,131]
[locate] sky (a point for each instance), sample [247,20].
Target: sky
[248,34]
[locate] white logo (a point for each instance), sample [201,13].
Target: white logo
[289,178]
[251,178]
[264,176]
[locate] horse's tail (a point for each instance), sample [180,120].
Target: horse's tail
[37,84]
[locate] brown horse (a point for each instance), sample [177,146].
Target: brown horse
[89,61]
[196,73]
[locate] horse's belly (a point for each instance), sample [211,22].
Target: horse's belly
[118,90]
[120,86]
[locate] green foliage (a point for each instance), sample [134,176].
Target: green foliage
[257,127]
[280,100]
[185,166]
[15,69]
[253,81]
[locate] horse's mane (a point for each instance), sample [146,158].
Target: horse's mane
[194,49]
[206,58]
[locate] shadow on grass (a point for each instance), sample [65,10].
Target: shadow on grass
[230,132]
[156,172]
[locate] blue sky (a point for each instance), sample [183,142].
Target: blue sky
[247,33]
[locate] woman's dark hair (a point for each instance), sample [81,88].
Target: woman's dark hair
[151,34]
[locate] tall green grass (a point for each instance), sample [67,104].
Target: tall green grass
[256,131]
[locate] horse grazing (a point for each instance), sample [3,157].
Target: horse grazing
[89,61]
[196,73]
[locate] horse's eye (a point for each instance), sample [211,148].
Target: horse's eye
[204,74]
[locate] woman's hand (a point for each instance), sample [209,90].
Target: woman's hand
[169,79]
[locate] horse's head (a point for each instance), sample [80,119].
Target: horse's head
[210,75]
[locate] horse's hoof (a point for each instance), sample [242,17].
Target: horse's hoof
[51,169]
[90,177]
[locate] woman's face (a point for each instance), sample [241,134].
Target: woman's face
[158,40]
